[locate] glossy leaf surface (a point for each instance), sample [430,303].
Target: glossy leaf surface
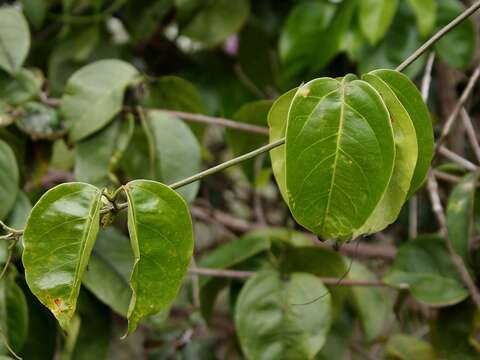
[272,325]
[424,266]
[460,214]
[162,241]
[411,100]
[406,153]
[339,155]
[9,178]
[14,39]
[58,239]
[375,16]
[94,95]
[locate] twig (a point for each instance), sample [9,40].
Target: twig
[427,76]
[457,261]
[468,165]
[238,274]
[472,137]
[419,52]
[446,176]
[461,102]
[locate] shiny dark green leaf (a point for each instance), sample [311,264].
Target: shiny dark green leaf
[94,95]
[457,48]
[272,324]
[339,155]
[15,39]
[460,214]
[58,239]
[375,17]
[411,99]
[211,22]
[424,266]
[9,178]
[109,270]
[162,241]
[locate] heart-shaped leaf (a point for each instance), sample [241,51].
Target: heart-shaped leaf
[160,230]
[8,179]
[58,239]
[339,155]
[273,320]
[14,39]
[460,214]
[94,95]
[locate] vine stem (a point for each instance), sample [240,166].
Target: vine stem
[422,49]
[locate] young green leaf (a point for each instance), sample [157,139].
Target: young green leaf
[14,39]
[411,99]
[460,214]
[272,321]
[406,155]
[277,122]
[58,239]
[375,17]
[8,179]
[339,155]
[211,22]
[425,12]
[162,241]
[94,95]
[424,265]
[457,48]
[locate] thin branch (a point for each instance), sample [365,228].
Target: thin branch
[422,49]
[461,102]
[472,137]
[457,261]
[466,164]
[427,77]
[237,274]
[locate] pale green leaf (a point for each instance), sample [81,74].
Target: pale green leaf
[271,321]
[160,230]
[425,12]
[14,39]
[375,17]
[339,155]
[9,178]
[58,239]
[94,95]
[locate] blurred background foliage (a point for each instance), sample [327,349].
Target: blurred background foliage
[231,58]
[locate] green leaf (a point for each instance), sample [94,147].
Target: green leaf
[174,93]
[375,17]
[94,95]
[109,270]
[13,314]
[58,239]
[311,23]
[35,11]
[20,211]
[94,336]
[411,99]
[175,151]
[143,17]
[424,266]
[212,22]
[9,178]
[407,347]
[460,214]
[338,339]
[457,48]
[406,153]
[426,13]
[339,155]
[39,121]
[14,39]
[23,86]
[371,304]
[241,142]
[161,236]
[271,323]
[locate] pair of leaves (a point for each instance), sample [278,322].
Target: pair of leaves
[94,95]
[355,151]
[61,232]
